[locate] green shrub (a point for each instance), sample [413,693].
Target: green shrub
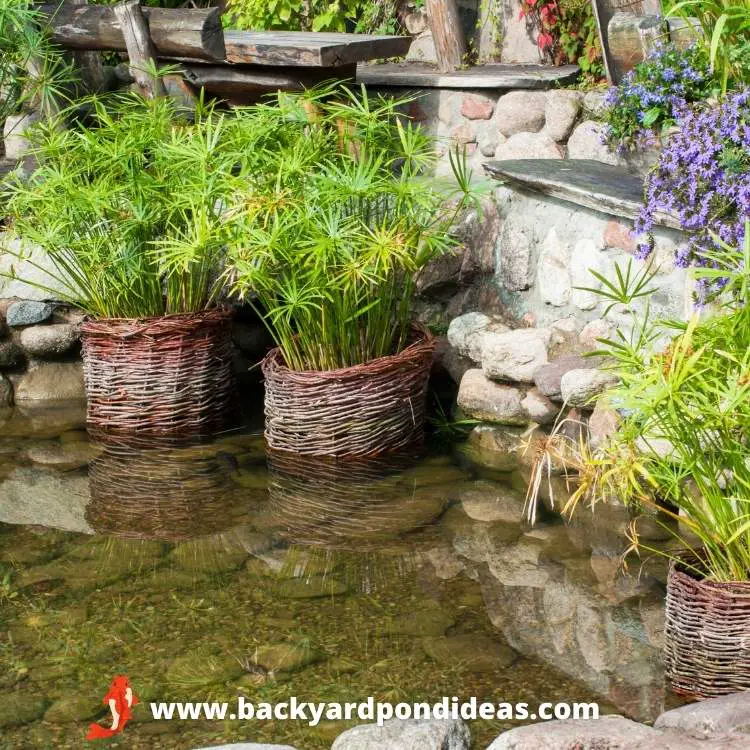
[363,16]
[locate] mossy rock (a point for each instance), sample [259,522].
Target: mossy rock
[284,657]
[209,555]
[251,478]
[73,708]
[316,587]
[430,621]
[473,652]
[196,670]
[21,708]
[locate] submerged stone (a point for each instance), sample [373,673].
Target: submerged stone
[311,588]
[210,555]
[197,669]
[73,708]
[432,621]
[475,653]
[20,708]
[284,657]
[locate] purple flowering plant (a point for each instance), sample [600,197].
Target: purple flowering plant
[643,106]
[703,179]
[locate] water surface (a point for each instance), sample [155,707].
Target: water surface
[210,571]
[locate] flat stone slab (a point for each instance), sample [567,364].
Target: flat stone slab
[585,182]
[496,76]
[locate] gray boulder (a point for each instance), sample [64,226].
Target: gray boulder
[28,313]
[607,733]
[561,113]
[408,734]
[50,340]
[581,387]
[51,381]
[520,112]
[529,146]
[515,355]
[539,408]
[586,143]
[466,331]
[703,720]
[487,401]
[547,377]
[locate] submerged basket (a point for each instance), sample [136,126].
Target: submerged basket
[167,376]
[364,410]
[707,635]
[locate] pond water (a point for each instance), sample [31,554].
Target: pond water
[210,571]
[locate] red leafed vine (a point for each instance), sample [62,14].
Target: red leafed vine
[566,32]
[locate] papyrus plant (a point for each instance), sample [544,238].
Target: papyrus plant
[683,446]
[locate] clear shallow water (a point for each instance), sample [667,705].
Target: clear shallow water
[209,571]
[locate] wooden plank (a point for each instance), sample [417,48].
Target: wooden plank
[583,182]
[450,43]
[141,50]
[508,76]
[174,31]
[235,82]
[305,49]
[88,63]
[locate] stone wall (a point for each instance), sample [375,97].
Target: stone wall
[519,124]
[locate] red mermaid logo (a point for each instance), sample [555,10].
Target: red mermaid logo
[120,700]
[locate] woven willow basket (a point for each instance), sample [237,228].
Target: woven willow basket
[168,376]
[707,635]
[364,410]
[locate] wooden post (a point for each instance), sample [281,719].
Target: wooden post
[141,50]
[450,42]
[88,63]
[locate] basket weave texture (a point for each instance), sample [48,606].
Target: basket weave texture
[168,376]
[364,410]
[144,488]
[707,635]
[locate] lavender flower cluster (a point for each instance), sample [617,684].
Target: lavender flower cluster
[703,179]
[644,104]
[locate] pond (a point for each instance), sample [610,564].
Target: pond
[209,571]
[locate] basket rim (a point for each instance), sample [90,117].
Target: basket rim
[677,570]
[424,342]
[131,326]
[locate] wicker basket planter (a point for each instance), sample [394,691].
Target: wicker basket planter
[169,376]
[364,410]
[707,636]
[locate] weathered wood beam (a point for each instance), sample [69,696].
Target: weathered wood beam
[234,82]
[175,32]
[303,49]
[447,33]
[141,50]
[88,63]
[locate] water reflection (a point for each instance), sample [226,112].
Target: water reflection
[398,571]
[155,489]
